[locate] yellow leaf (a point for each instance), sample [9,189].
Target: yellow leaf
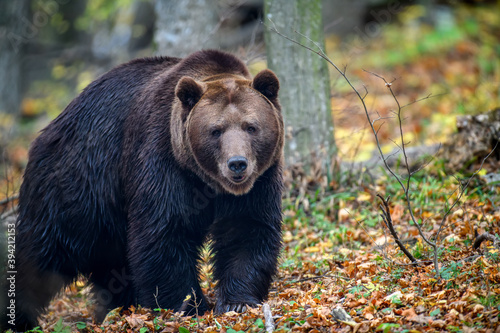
[344,251]
[371,287]
[311,249]
[492,250]
[350,323]
[326,244]
[485,262]
[112,315]
[426,215]
[363,196]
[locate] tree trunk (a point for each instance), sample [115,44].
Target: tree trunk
[305,85]
[183,27]
[13,16]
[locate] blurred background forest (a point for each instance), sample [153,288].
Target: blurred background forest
[51,49]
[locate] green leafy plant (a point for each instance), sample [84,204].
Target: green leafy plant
[451,271]
[34,330]
[59,327]
[435,312]
[259,323]
[395,299]
[488,301]
[387,327]
[81,325]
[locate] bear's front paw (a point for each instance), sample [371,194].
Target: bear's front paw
[221,308]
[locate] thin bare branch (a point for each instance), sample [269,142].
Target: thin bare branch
[386,217]
[405,186]
[424,165]
[366,92]
[392,154]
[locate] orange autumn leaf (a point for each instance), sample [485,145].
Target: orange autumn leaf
[409,313]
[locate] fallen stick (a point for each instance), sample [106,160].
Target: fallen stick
[268,316]
[481,238]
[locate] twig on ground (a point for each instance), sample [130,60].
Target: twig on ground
[483,237]
[268,317]
[156,298]
[196,305]
[471,258]
[319,277]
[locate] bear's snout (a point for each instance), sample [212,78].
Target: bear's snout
[237,165]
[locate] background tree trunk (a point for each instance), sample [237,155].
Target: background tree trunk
[305,84]
[13,15]
[185,26]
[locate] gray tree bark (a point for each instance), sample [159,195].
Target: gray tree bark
[12,38]
[304,79]
[183,27]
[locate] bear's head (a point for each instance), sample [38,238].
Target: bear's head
[228,129]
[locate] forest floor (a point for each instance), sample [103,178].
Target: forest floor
[337,254]
[340,268]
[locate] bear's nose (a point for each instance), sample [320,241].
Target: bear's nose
[237,164]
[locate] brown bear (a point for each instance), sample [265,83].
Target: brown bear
[152,160]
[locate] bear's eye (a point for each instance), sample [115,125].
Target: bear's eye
[216,133]
[251,129]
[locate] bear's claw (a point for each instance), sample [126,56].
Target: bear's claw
[237,307]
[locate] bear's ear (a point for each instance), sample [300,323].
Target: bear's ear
[267,84]
[189,91]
